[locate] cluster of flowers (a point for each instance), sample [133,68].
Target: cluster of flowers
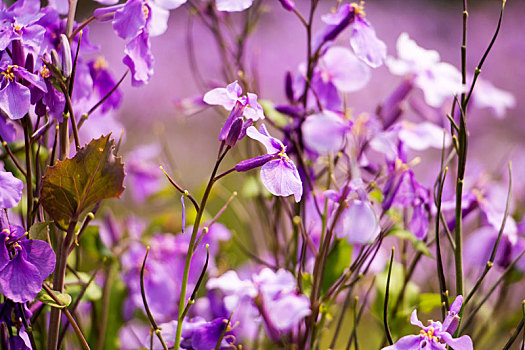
[353,179]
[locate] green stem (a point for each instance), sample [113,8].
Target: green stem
[29,176]
[191,247]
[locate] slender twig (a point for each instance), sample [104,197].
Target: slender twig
[191,246]
[385,306]
[110,92]
[514,336]
[72,321]
[181,190]
[490,263]
[491,290]
[29,177]
[199,281]
[77,301]
[145,302]
[12,156]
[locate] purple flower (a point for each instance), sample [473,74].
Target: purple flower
[486,95]
[438,80]
[437,335]
[363,39]
[325,132]
[24,264]
[227,97]
[423,136]
[15,98]
[341,67]
[18,24]
[197,334]
[270,294]
[10,190]
[278,173]
[139,59]
[233,5]
[11,316]
[141,181]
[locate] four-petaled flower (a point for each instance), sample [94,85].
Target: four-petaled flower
[278,173]
[437,335]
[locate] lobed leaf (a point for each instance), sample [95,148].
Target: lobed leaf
[71,186]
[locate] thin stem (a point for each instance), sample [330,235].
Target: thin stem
[110,92]
[58,281]
[198,218]
[385,306]
[29,178]
[490,263]
[70,318]
[77,302]
[12,156]
[514,336]
[201,278]
[181,190]
[145,302]
[492,289]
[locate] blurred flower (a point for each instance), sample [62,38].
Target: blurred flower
[273,294]
[325,132]
[10,314]
[278,173]
[233,5]
[436,336]
[197,334]
[486,95]
[438,80]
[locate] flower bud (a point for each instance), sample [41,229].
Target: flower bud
[288,85]
[55,60]
[288,4]
[67,63]
[18,53]
[236,112]
[235,132]
[253,163]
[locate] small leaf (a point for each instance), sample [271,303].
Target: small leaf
[39,230]
[428,302]
[417,244]
[271,113]
[64,298]
[75,286]
[336,264]
[71,186]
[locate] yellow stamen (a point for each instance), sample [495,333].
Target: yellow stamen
[100,63]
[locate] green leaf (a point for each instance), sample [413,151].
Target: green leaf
[428,302]
[64,298]
[75,286]
[71,186]
[418,245]
[271,113]
[336,264]
[39,230]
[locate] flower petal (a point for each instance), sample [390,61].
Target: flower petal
[281,178]
[10,190]
[20,281]
[40,254]
[15,100]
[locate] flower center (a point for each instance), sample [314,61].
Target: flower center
[359,9]
[429,334]
[8,74]
[44,72]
